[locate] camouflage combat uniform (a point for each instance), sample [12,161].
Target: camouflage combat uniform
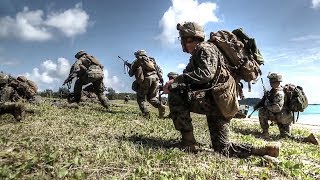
[208,89]
[147,88]
[126,99]
[83,65]
[199,73]
[275,110]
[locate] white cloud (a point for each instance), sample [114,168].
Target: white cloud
[113,81]
[315,4]
[71,22]
[185,10]
[32,26]
[27,25]
[48,65]
[51,74]
[181,66]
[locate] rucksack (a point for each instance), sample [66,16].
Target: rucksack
[94,61]
[242,54]
[296,99]
[148,64]
[95,72]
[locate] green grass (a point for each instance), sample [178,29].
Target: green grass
[91,143]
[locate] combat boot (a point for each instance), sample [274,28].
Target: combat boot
[270,150]
[162,111]
[146,115]
[265,134]
[311,139]
[188,142]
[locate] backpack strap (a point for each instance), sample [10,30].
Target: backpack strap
[298,116]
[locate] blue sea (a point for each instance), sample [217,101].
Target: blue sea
[311,115]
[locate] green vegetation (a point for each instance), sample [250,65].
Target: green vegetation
[91,143]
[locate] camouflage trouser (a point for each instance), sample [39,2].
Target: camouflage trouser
[285,132]
[180,108]
[148,91]
[98,87]
[264,116]
[284,126]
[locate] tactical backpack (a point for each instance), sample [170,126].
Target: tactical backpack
[148,64]
[242,54]
[95,72]
[296,99]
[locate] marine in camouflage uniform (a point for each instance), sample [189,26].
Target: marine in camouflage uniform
[87,69]
[148,75]
[199,75]
[275,110]
[126,99]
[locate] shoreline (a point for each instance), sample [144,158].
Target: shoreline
[312,127]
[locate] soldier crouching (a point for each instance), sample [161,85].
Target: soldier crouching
[274,109]
[210,90]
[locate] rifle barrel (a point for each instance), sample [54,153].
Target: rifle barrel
[122,59]
[251,113]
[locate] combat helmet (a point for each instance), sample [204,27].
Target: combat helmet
[172,75]
[140,52]
[274,77]
[4,78]
[79,54]
[190,29]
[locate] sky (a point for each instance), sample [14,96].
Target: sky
[39,38]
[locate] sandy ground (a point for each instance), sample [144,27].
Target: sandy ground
[312,128]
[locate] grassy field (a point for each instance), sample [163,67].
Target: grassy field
[90,143]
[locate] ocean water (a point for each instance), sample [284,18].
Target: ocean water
[311,115]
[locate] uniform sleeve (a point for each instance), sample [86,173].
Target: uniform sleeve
[277,104]
[133,68]
[206,60]
[76,67]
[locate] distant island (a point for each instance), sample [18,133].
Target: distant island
[249,101]
[254,101]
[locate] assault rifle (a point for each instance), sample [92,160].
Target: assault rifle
[125,63]
[260,103]
[69,80]
[70,77]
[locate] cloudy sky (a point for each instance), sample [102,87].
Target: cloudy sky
[38,38]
